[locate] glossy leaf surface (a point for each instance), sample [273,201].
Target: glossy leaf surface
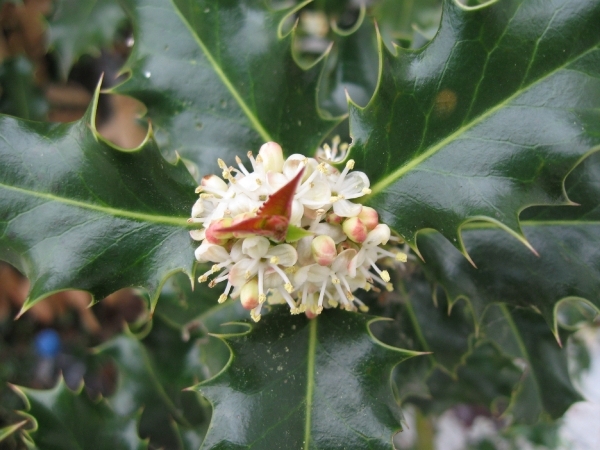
[568,265]
[67,420]
[298,383]
[487,119]
[222,80]
[76,213]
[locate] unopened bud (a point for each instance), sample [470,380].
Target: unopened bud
[272,157]
[323,250]
[249,294]
[369,217]
[334,219]
[355,229]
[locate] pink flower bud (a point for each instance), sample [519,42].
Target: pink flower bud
[355,229]
[369,217]
[249,294]
[272,157]
[334,219]
[323,250]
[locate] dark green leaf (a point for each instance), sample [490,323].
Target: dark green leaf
[19,96]
[568,265]
[6,432]
[79,27]
[76,213]
[298,383]
[408,23]
[546,388]
[487,119]
[485,376]
[222,79]
[67,420]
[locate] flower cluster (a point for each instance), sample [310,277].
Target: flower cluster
[333,252]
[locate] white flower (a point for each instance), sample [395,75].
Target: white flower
[335,251]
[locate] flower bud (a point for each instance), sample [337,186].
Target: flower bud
[213,182]
[369,217]
[334,219]
[323,250]
[355,229]
[214,235]
[249,294]
[272,156]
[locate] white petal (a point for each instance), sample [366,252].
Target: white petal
[304,251]
[345,208]
[285,254]
[293,164]
[317,196]
[301,275]
[198,235]
[276,180]
[236,251]
[353,185]
[213,182]
[378,235]
[198,208]
[275,298]
[211,252]
[249,183]
[335,232]
[240,272]
[297,212]
[343,261]
[317,274]
[255,246]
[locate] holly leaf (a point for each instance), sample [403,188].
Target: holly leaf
[222,80]
[77,213]
[298,383]
[487,119]
[546,389]
[567,268]
[80,27]
[65,420]
[19,96]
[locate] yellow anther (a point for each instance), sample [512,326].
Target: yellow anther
[249,153]
[238,160]
[335,280]
[222,164]
[198,189]
[334,199]
[274,260]
[366,191]
[205,196]
[289,288]
[364,308]
[389,287]
[222,298]
[385,276]
[333,303]
[402,257]
[258,182]
[291,269]
[320,309]
[247,274]
[255,317]
[344,146]
[262,298]
[202,279]
[212,284]
[349,295]
[259,158]
[350,164]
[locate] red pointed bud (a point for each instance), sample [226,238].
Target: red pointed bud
[323,250]
[369,217]
[214,235]
[249,294]
[355,229]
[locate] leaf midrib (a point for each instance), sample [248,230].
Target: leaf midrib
[310,379]
[143,217]
[401,171]
[264,134]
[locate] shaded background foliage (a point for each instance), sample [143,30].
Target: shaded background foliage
[489,333]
